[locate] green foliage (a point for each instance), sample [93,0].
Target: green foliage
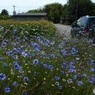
[78,8]
[36,10]
[4,15]
[54,11]
[4,12]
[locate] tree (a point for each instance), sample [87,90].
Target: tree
[4,15]
[4,12]
[78,8]
[54,12]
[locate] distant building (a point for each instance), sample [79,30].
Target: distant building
[30,16]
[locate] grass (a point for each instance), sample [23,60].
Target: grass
[35,60]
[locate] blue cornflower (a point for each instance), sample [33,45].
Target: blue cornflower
[62,72]
[52,55]
[92,79]
[48,41]
[35,61]
[57,78]
[5,64]
[51,67]
[73,51]
[14,31]
[36,49]
[74,77]
[17,66]
[4,44]
[1,58]
[25,93]
[79,83]
[9,52]
[45,65]
[34,44]
[92,70]
[38,38]
[7,89]
[60,87]
[84,75]
[35,73]
[59,46]
[33,55]
[15,83]
[2,76]
[26,79]
[18,50]
[64,52]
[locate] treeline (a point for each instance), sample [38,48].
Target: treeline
[69,12]
[66,13]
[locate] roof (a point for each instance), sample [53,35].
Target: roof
[31,14]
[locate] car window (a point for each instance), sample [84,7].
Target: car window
[91,22]
[83,22]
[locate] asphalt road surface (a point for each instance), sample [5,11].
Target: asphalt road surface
[63,29]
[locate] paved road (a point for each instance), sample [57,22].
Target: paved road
[63,29]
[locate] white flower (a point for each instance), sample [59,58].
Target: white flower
[94,91]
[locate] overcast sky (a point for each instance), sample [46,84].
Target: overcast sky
[25,5]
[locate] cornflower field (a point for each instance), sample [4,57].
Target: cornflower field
[36,60]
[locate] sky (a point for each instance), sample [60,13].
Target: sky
[25,5]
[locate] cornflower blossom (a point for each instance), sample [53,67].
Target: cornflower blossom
[74,76]
[24,53]
[5,64]
[18,50]
[45,65]
[35,73]
[69,81]
[33,55]
[62,72]
[50,67]
[52,55]
[57,83]
[60,87]
[79,83]
[17,66]
[38,38]
[57,78]
[92,69]
[4,44]
[92,79]
[24,93]
[26,79]
[36,49]
[9,52]
[2,76]
[15,83]
[35,62]
[1,58]
[60,46]
[84,75]
[7,89]
[64,52]
[74,51]
[14,31]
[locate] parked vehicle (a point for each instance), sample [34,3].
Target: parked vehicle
[84,26]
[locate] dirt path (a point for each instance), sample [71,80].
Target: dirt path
[63,29]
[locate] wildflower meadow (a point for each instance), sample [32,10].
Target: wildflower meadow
[36,60]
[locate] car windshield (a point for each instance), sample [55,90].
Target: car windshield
[92,22]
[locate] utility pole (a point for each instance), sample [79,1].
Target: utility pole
[14,12]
